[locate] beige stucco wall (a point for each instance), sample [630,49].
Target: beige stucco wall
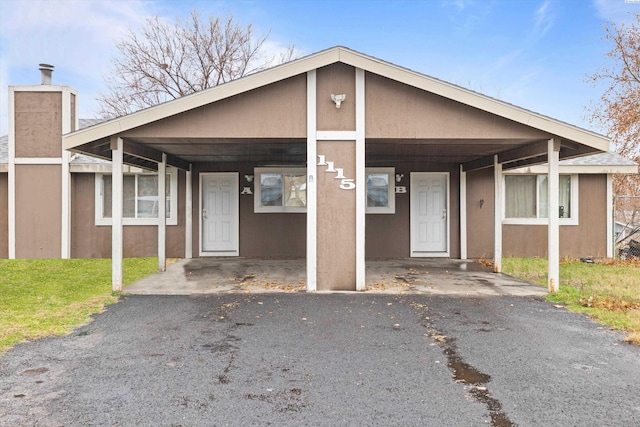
[38,211]
[396,110]
[336,79]
[91,241]
[587,239]
[4,216]
[336,221]
[38,124]
[277,110]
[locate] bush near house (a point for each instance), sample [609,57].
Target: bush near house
[44,297]
[606,290]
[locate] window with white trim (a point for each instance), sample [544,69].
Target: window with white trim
[139,198]
[285,190]
[381,190]
[526,199]
[280,190]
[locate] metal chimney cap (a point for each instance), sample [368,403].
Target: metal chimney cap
[47,67]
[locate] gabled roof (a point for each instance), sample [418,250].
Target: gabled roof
[324,58]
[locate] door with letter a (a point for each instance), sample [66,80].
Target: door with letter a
[219,219]
[429,214]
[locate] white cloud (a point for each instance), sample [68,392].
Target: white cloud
[458,4]
[543,19]
[73,32]
[76,36]
[618,11]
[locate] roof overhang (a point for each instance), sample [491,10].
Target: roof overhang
[96,140]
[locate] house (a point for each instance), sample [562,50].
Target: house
[337,158]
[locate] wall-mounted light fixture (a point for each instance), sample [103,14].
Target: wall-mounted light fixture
[338,99]
[249,178]
[481,203]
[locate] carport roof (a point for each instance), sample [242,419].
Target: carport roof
[578,141]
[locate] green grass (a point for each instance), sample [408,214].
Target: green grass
[607,291]
[44,297]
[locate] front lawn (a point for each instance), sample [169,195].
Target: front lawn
[608,291]
[44,297]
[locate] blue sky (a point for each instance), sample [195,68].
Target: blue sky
[532,53]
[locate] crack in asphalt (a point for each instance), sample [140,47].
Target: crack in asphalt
[464,373]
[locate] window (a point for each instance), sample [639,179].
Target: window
[140,198]
[285,190]
[380,190]
[526,199]
[280,190]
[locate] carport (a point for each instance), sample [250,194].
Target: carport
[326,124]
[433,276]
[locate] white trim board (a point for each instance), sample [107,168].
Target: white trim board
[38,160]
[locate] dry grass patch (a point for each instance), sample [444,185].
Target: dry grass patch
[607,290]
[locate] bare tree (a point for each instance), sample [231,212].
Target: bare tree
[166,60]
[618,111]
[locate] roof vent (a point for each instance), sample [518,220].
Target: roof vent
[45,73]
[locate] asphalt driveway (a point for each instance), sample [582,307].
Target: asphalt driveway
[326,359]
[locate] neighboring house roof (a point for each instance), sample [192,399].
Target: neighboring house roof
[324,58]
[600,163]
[82,158]
[4,150]
[601,159]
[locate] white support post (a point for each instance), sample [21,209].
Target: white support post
[497,214]
[463,213]
[188,215]
[162,213]
[611,218]
[553,181]
[11,178]
[116,214]
[360,181]
[65,238]
[312,203]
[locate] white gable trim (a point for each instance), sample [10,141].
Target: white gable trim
[321,59]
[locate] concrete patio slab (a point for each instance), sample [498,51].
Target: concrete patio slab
[398,276]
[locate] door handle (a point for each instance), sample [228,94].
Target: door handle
[444,214]
[204,214]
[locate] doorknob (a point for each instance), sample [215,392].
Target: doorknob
[444,214]
[204,214]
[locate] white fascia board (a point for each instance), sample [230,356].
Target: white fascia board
[474,99]
[577,169]
[199,99]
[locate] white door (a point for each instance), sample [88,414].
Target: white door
[219,220]
[429,214]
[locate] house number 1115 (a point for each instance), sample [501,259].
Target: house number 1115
[345,183]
